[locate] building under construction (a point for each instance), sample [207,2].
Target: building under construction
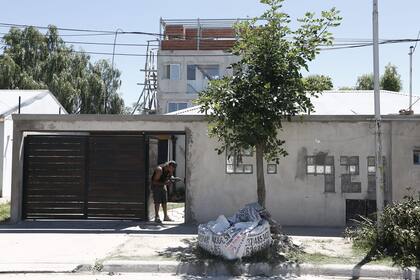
[191,52]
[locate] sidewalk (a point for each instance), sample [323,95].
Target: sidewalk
[118,246]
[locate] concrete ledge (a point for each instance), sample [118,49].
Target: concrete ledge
[258,269]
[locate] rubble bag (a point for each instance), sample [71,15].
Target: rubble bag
[241,235]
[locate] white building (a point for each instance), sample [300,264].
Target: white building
[347,102]
[192,53]
[19,102]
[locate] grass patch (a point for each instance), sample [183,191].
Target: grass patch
[4,212]
[318,258]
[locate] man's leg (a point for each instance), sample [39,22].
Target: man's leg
[156,211]
[165,210]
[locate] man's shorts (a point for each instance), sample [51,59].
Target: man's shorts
[159,195]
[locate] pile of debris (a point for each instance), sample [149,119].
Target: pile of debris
[247,232]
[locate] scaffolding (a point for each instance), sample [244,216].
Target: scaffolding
[147,103]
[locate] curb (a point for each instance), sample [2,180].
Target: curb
[42,268]
[258,269]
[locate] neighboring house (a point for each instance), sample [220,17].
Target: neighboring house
[31,102]
[191,53]
[348,102]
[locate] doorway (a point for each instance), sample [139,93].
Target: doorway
[162,148]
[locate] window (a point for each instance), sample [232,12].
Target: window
[198,76]
[235,165]
[172,72]
[371,165]
[191,72]
[319,165]
[271,168]
[175,106]
[416,157]
[351,164]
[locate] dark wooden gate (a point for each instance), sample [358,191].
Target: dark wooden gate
[84,177]
[116,177]
[54,177]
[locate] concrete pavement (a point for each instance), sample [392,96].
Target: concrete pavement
[120,246]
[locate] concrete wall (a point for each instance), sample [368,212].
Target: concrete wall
[293,196]
[7,152]
[405,174]
[176,90]
[1,155]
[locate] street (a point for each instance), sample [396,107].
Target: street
[152,276]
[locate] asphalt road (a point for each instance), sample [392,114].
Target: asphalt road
[152,276]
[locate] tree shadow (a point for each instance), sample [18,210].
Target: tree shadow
[280,256]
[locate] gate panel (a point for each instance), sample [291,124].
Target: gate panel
[54,176]
[116,184]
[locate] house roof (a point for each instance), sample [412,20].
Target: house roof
[32,102]
[351,102]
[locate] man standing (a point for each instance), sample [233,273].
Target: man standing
[160,181]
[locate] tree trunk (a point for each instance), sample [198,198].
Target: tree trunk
[260,175]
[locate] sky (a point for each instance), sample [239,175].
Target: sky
[397,20]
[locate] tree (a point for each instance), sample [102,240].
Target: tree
[267,86]
[319,82]
[346,88]
[32,60]
[365,82]
[391,80]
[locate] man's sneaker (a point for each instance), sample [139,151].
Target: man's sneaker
[157,220]
[167,219]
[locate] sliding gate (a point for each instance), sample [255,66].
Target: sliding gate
[80,177]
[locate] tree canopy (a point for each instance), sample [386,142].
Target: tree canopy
[247,109]
[390,80]
[365,82]
[32,60]
[318,82]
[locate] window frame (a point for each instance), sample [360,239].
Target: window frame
[272,165]
[167,74]
[233,163]
[348,163]
[317,167]
[177,103]
[416,150]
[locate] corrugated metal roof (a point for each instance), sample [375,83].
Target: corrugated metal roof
[351,102]
[32,102]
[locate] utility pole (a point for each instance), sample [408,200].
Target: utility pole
[378,133]
[411,78]
[112,68]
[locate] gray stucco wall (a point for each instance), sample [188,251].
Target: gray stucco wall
[1,155]
[293,197]
[405,174]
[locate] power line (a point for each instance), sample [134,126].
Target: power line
[81,30]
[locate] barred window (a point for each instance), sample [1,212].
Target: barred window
[235,165]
